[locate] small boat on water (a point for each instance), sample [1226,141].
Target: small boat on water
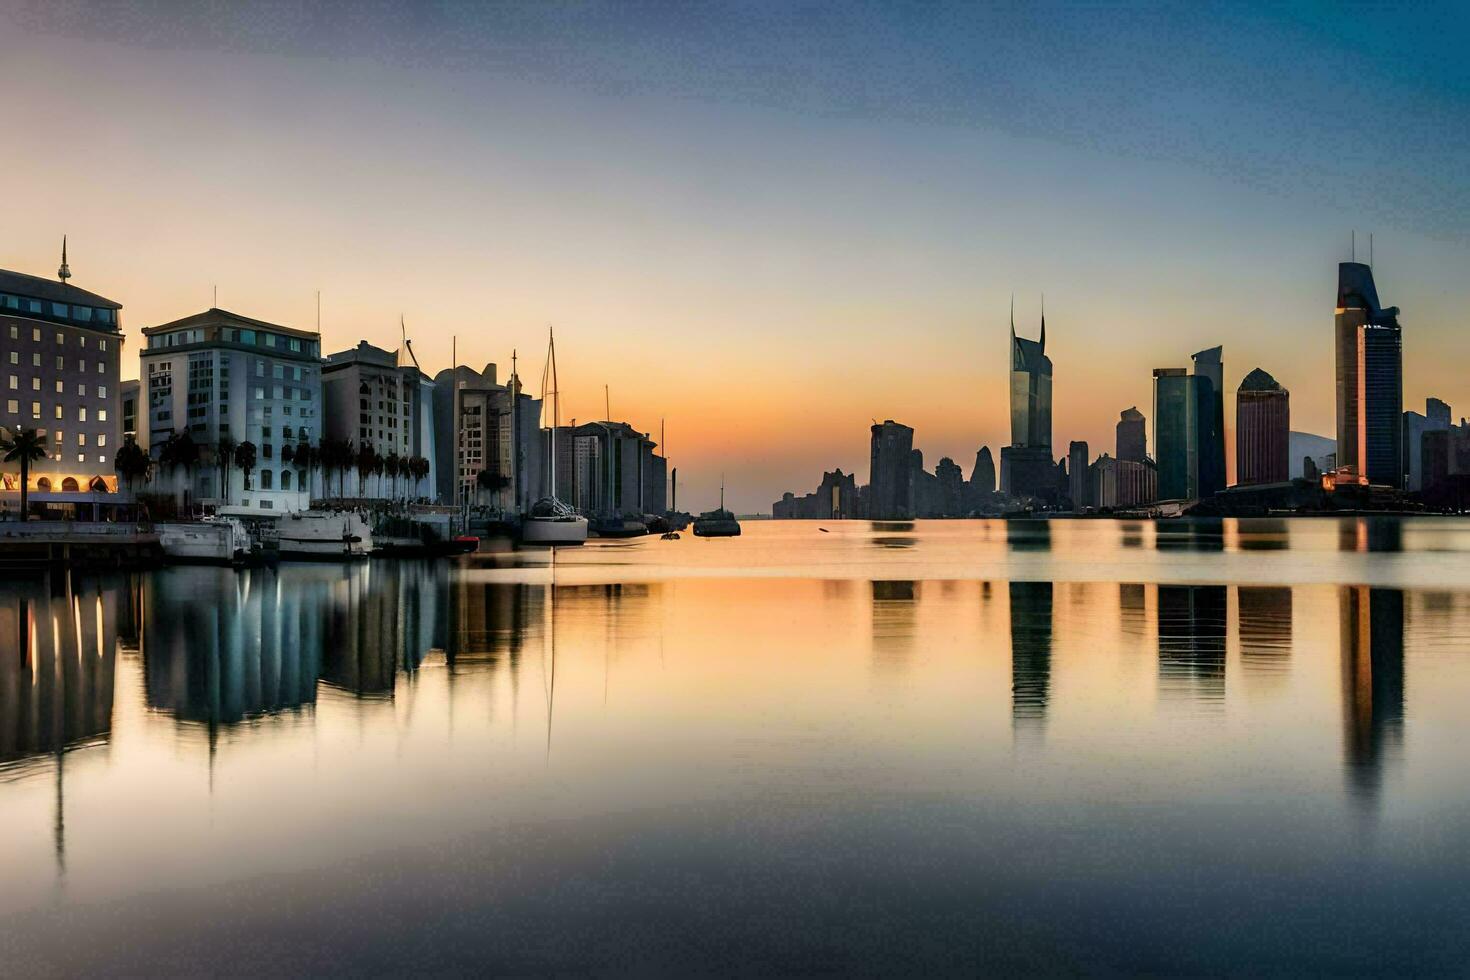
[551,521]
[619,527]
[717,523]
[213,540]
[319,535]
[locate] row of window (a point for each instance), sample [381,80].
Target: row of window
[62,311]
[234,335]
[12,407]
[60,337]
[14,385]
[60,362]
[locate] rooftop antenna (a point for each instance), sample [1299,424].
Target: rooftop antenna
[1355,244]
[63,273]
[606,404]
[215,302]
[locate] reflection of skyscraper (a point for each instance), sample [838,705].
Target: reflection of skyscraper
[1192,623]
[386,625]
[1026,464]
[893,622]
[1265,628]
[1031,625]
[1372,623]
[1370,383]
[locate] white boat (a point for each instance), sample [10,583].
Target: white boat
[324,535]
[219,540]
[551,521]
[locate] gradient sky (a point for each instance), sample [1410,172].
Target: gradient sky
[766,223]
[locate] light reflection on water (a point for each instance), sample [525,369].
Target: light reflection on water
[941,746]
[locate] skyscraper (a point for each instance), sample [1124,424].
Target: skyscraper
[1262,430]
[1080,482]
[1026,466]
[982,477]
[889,493]
[1436,418]
[1370,382]
[1132,435]
[1189,428]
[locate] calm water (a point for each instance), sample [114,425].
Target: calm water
[957,746]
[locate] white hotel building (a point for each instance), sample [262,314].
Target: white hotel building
[218,374]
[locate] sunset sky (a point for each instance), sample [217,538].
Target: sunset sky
[768,224]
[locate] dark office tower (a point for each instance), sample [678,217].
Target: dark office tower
[1262,430]
[1174,433]
[1026,464]
[1436,418]
[982,477]
[1132,436]
[1079,482]
[889,484]
[1209,371]
[1370,380]
[1189,428]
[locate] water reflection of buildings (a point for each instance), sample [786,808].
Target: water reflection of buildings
[1265,630]
[1192,625]
[57,653]
[1031,634]
[267,638]
[895,612]
[1372,622]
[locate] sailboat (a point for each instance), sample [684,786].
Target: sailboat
[717,523]
[551,521]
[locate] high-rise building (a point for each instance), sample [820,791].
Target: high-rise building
[1080,481]
[1262,430]
[982,476]
[496,432]
[1026,466]
[218,376]
[1436,418]
[59,354]
[380,399]
[1121,482]
[1189,428]
[1370,385]
[1132,435]
[890,488]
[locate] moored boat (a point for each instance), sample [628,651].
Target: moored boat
[324,535]
[717,523]
[213,540]
[551,521]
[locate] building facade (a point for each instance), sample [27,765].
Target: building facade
[1370,388]
[1262,430]
[1079,480]
[1026,467]
[226,380]
[382,400]
[59,359]
[1132,435]
[1436,418]
[890,452]
[1189,428]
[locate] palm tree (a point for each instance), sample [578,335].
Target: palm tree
[224,458]
[132,462]
[366,462]
[393,465]
[25,447]
[245,460]
[420,472]
[180,451]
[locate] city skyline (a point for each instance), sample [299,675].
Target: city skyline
[748,243]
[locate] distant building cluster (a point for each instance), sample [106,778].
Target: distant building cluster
[1385,457]
[233,414]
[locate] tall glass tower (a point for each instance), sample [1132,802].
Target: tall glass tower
[1370,381]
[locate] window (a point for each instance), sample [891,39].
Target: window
[265,479]
[36,334]
[60,387]
[14,382]
[102,458]
[14,357]
[35,384]
[81,415]
[102,344]
[101,368]
[102,391]
[81,438]
[81,457]
[82,390]
[83,314]
[58,309]
[101,440]
[58,411]
[60,337]
[83,338]
[35,410]
[285,479]
[82,366]
[13,407]
[60,363]
[101,415]
[35,359]
[278,371]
